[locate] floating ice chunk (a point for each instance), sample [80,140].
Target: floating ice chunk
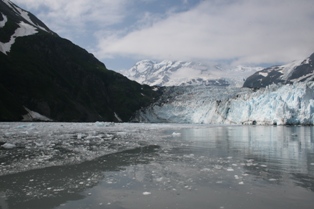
[174,134]
[218,167]
[205,169]
[8,146]
[264,166]
[312,163]
[79,136]
[104,124]
[58,190]
[159,179]
[218,182]
[230,169]
[100,124]
[39,144]
[189,156]
[272,179]
[241,183]
[236,177]
[147,193]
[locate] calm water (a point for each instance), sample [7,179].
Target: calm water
[227,167]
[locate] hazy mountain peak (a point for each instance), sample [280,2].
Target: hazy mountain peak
[177,73]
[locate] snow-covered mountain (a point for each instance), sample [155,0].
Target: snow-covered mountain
[296,71]
[274,105]
[179,73]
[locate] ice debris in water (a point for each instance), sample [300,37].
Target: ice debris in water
[230,169]
[147,193]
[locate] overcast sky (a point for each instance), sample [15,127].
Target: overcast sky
[122,32]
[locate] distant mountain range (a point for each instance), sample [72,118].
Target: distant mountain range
[180,73]
[46,77]
[297,71]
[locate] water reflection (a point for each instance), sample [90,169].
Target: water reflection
[202,167]
[51,187]
[268,153]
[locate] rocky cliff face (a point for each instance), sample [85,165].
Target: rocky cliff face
[45,73]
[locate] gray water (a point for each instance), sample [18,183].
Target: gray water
[219,167]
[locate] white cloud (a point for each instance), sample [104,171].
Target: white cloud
[247,31]
[79,18]
[243,31]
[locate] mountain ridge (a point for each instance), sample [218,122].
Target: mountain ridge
[178,73]
[296,71]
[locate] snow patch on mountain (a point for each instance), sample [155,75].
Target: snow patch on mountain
[24,29]
[4,21]
[19,12]
[179,73]
[287,69]
[273,105]
[34,116]
[25,25]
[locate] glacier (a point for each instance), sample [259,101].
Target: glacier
[277,104]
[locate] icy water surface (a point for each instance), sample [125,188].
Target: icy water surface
[102,165]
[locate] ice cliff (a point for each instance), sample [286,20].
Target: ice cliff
[274,105]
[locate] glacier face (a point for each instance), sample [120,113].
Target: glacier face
[179,73]
[273,105]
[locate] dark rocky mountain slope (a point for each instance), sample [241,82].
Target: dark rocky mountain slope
[52,76]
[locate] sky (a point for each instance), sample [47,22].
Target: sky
[236,32]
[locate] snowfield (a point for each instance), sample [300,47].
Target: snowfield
[274,105]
